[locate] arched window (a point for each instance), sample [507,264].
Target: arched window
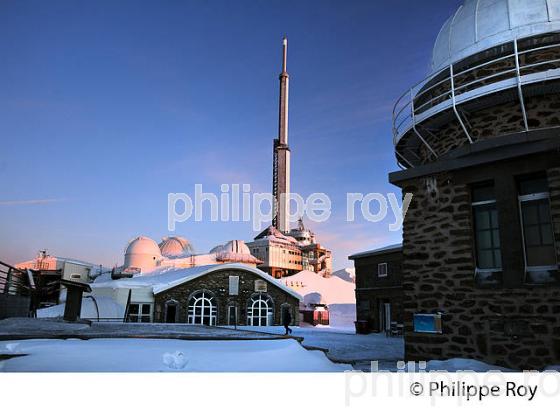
[260,310]
[202,308]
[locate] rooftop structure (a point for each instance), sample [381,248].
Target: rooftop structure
[487,54]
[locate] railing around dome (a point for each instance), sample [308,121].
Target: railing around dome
[523,63]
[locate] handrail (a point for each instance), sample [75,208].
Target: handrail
[405,108]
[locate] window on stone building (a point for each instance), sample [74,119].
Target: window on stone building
[382,270]
[537,228]
[486,229]
[140,312]
[260,310]
[202,309]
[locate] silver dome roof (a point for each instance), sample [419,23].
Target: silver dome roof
[481,24]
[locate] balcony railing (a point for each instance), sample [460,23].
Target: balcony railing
[516,64]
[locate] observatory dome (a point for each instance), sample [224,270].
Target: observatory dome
[175,246]
[235,246]
[142,253]
[482,24]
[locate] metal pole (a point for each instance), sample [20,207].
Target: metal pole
[414,125]
[452,77]
[519,87]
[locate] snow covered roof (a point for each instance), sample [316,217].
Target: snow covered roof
[272,234]
[33,262]
[167,278]
[379,251]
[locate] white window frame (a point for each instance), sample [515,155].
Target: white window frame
[528,198]
[382,275]
[205,299]
[477,269]
[256,302]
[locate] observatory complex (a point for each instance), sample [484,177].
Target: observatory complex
[478,141]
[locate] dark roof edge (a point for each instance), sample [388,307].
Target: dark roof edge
[379,251]
[510,146]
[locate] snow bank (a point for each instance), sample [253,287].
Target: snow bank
[149,355]
[337,293]
[333,290]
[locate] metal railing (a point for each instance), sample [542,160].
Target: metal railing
[453,85]
[13,281]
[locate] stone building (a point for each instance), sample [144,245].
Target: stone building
[379,291]
[478,142]
[212,295]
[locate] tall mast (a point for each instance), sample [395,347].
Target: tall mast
[284,87]
[281,159]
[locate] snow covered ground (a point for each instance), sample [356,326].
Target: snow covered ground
[163,355]
[345,345]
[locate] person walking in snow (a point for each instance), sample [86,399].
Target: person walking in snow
[287,321]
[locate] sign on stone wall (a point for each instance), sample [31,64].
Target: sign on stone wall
[427,323]
[260,285]
[234,285]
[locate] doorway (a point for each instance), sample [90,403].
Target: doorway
[384,316]
[232,315]
[171,312]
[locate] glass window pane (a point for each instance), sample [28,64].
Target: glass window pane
[484,239]
[547,237]
[530,213]
[498,258]
[494,218]
[485,259]
[544,210]
[537,233]
[133,308]
[496,238]
[532,236]
[534,184]
[146,309]
[482,219]
[483,192]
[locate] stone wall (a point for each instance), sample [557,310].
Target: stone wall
[543,111]
[515,327]
[218,284]
[554,186]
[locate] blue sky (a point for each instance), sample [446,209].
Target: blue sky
[107,106]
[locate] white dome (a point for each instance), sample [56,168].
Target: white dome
[175,246]
[144,246]
[237,246]
[482,24]
[234,251]
[142,253]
